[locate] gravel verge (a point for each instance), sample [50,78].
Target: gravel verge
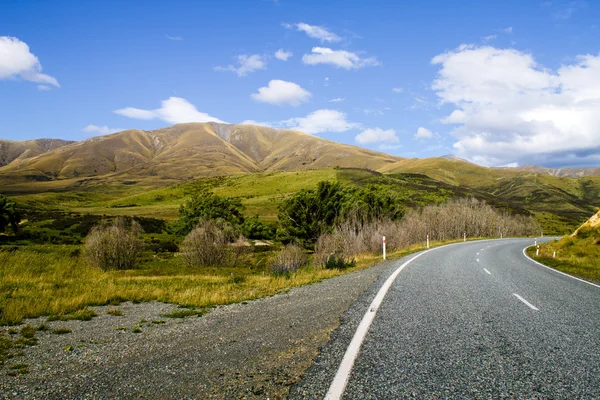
[255,349]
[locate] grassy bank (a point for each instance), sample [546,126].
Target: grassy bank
[578,256]
[48,280]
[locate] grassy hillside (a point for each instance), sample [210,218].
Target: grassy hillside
[187,151]
[577,254]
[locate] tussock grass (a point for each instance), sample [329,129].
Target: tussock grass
[578,255]
[34,283]
[61,331]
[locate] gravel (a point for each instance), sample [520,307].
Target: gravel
[255,349]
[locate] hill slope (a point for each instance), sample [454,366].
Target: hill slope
[15,151]
[191,150]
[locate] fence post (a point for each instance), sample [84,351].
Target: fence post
[384,247]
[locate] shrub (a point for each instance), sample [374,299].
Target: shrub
[116,246]
[205,245]
[335,261]
[288,260]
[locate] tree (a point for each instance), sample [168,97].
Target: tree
[8,214]
[206,206]
[309,212]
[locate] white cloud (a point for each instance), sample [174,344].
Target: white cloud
[489,37]
[423,133]
[245,64]
[337,100]
[338,58]
[377,135]
[102,130]
[174,110]
[315,32]
[17,61]
[44,87]
[456,117]
[283,55]
[398,90]
[510,109]
[176,38]
[280,93]
[320,121]
[508,30]
[253,122]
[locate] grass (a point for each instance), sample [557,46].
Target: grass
[184,313]
[578,256]
[116,313]
[46,280]
[84,314]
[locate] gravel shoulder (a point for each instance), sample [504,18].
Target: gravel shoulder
[255,349]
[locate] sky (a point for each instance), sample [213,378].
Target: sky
[498,83]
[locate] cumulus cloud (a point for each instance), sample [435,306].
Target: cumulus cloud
[511,109]
[338,58]
[16,61]
[280,93]
[377,135]
[245,64]
[174,110]
[423,133]
[456,117]
[102,130]
[283,55]
[320,121]
[315,32]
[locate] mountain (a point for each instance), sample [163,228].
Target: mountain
[562,172]
[191,150]
[15,151]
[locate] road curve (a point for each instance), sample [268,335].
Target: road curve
[471,320]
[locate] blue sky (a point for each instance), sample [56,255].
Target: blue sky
[495,82]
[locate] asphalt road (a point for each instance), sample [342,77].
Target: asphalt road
[471,320]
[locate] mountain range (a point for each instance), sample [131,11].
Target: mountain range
[193,150]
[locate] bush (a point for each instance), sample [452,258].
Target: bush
[288,260]
[115,246]
[335,261]
[205,245]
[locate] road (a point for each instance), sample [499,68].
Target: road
[471,320]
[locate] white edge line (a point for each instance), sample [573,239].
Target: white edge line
[555,270]
[338,385]
[526,302]
[485,269]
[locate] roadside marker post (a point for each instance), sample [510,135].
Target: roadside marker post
[464,236]
[384,247]
[537,251]
[427,241]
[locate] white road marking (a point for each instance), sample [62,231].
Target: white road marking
[478,260]
[555,270]
[488,272]
[338,385]
[477,253]
[526,302]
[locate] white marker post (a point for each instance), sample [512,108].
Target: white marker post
[535,243]
[537,251]
[464,236]
[384,247]
[554,255]
[427,241]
